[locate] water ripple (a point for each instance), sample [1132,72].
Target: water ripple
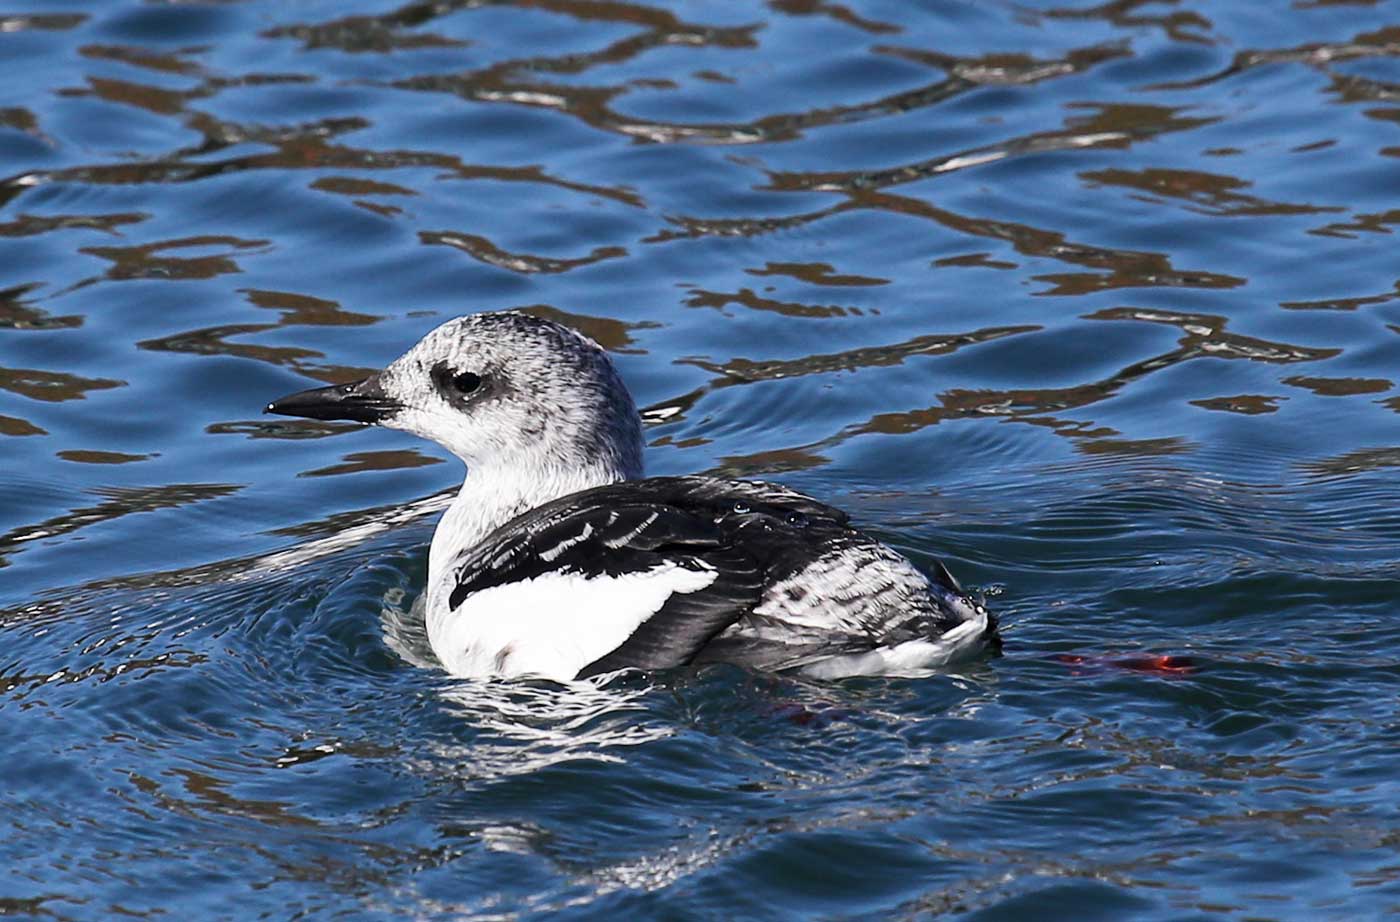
[1093,302]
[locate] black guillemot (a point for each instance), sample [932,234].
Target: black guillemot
[559,559]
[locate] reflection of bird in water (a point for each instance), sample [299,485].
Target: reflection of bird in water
[529,725]
[558,559]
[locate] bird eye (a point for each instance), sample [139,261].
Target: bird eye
[742,507]
[453,384]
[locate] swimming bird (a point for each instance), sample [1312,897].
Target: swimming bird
[558,558]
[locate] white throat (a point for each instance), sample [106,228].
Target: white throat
[493,495]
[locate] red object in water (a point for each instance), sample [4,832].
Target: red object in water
[1159,665]
[1172,665]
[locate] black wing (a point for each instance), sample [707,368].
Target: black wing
[736,529]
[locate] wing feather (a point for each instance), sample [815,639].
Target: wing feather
[618,530]
[768,547]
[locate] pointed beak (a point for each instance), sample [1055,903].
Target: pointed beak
[362,401]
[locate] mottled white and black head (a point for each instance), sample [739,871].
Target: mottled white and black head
[497,390]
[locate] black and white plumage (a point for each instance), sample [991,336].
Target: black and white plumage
[558,559]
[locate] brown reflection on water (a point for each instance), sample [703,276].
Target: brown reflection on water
[208,794]
[169,63]
[295,310]
[305,310]
[118,502]
[1170,445]
[280,428]
[518,81]
[1204,336]
[353,185]
[1382,43]
[17,314]
[1248,404]
[51,386]
[612,335]
[483,250]
[155,100]
[744,371]
[674,409]
[1008,69]
[1115,125]
[18,685]
[150,260]
[23,120]
[338,524]
[295,147]
[1353,462]
[535,174]
[20,119]
[747,297]
[816,274]
[976,260]
[774,461]
[1126,14]
[1360,223]
[329,534]
[1340,387]
[685,227]
[385,460]
[1342,304]
[1208,193]
[90,456]
[215,341]
[357,188]
[27,225]
[10,425]
[1121,268]
[836,11]
[377,34]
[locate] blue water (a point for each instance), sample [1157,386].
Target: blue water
[1098,304]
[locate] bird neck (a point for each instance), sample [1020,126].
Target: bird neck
[492,495]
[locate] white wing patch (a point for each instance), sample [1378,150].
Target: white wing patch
[554,624]
[551,554]
[623,539]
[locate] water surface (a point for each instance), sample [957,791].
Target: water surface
[1098,304]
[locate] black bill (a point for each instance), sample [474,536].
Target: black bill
[362,401]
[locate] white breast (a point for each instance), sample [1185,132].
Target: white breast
[554,624]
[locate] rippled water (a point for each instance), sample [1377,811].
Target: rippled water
[1101,304]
